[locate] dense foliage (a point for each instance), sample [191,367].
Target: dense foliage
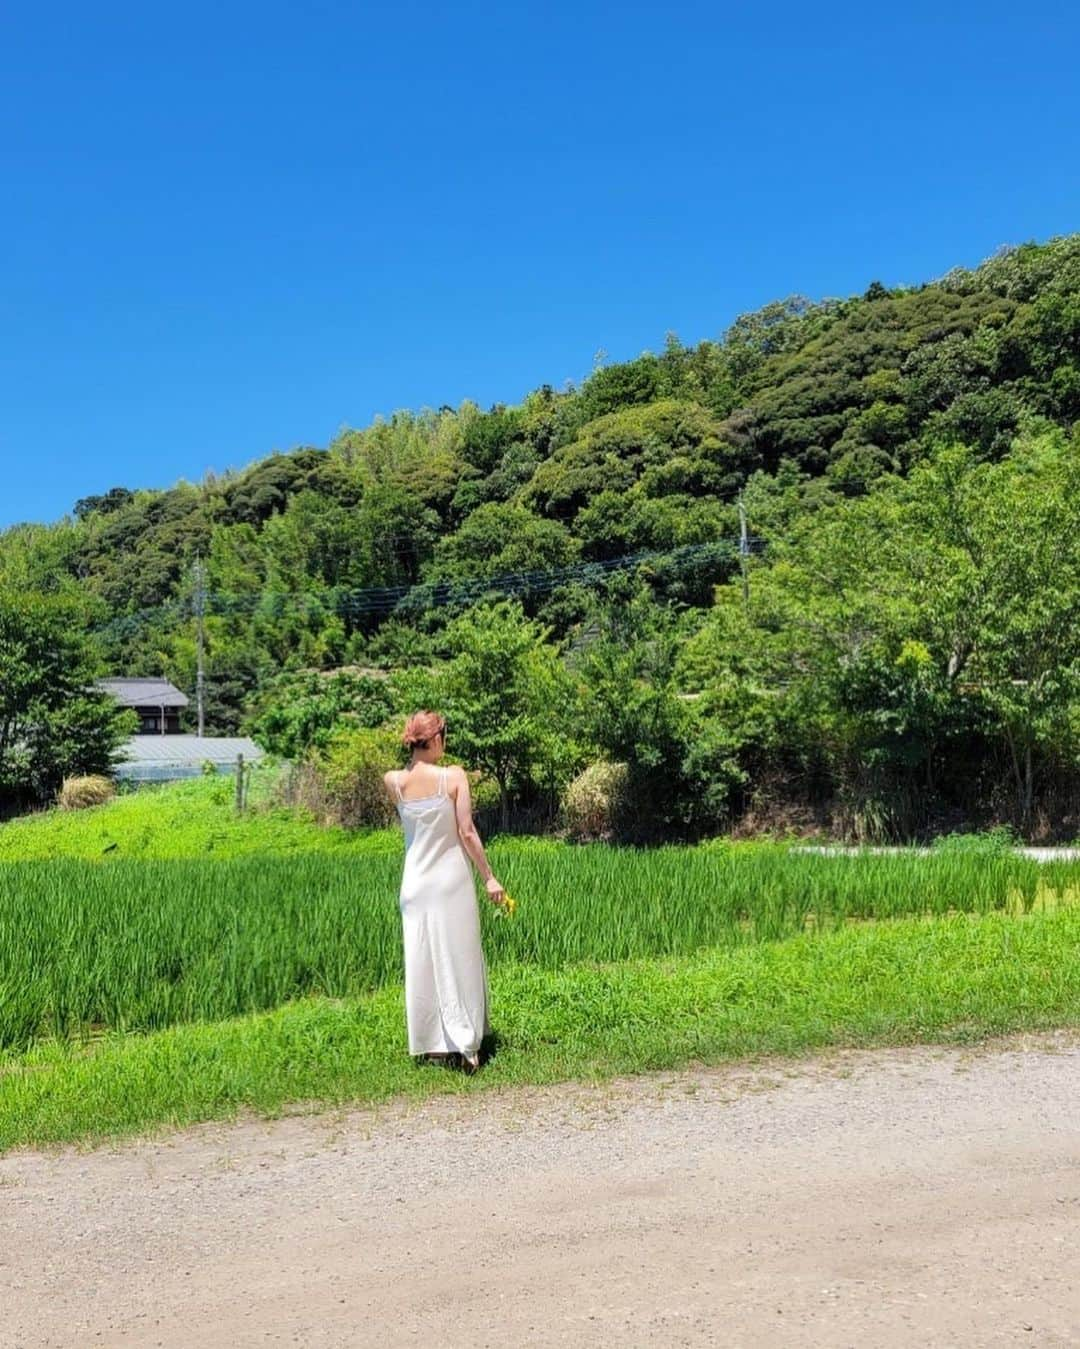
[901,647]
[52,722]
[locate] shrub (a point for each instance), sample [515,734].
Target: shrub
[596,801]
[485,796]
[342,785]
[91,790]
[996,842]
[710,774]
[351,768]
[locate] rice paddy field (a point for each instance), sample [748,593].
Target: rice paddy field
[276,975]
[139,945]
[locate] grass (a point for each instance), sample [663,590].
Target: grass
[164,961]
[139,945]
[184,819]
[945,978]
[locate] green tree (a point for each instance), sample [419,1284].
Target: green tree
[1003,588]
[499,538]
[507,700]
[683,764]
[52,722]
[305,708]
[938,609]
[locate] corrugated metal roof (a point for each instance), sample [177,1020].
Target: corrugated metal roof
[187,749]
[144,692]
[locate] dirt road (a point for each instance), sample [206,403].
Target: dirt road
[915,1198]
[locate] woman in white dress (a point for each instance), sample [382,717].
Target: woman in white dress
[446,1002]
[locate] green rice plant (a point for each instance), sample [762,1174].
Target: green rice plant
[139,945]
[959,978]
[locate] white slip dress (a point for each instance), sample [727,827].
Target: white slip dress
[446,1000]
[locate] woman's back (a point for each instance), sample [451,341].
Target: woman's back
[430,824]
[418,782]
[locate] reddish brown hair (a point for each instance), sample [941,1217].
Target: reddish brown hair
[422,728]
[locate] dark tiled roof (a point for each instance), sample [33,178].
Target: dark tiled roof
[144,692]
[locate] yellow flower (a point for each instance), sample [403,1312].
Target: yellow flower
[509,903]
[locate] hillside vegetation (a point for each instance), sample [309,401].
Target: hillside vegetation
[903,650]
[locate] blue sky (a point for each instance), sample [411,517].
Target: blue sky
[234,228]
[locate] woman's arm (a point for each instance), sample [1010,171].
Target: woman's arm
[470,839]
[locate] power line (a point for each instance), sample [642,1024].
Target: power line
[435,592]
[129,625]
[423,594]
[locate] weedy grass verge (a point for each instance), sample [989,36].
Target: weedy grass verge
[933,979]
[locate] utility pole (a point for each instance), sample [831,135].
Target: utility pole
[200,645]
[744,552]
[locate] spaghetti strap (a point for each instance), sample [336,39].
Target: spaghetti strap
[442,781]
[397,789]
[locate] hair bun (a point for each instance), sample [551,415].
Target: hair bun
[421,729]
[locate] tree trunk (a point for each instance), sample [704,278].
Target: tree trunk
[504,806]
[1017,771]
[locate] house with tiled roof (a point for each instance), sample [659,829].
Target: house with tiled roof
[156,702]
[160,751]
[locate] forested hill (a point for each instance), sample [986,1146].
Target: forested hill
[799,405]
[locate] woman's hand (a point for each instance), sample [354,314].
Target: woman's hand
[495,892]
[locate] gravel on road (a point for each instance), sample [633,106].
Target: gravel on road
[923,1196]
